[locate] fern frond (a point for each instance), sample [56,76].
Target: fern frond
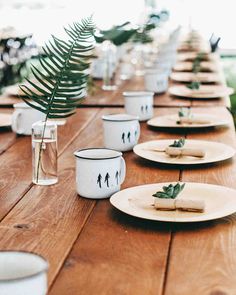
[59,87]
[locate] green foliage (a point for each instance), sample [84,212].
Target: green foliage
[117,35]
[61,84]
[195,85]
[184,112]
[142,35]
[178,143]
[170,192]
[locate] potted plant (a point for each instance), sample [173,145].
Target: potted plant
[58,90]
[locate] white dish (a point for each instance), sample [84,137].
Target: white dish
[205,91]
[137,201]
[169,121]
[215,152]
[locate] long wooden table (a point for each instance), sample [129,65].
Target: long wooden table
[93,248]
[115,98]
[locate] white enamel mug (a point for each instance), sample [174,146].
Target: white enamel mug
[120,131]
[23,117]
[139,103]
[156,80]
[99,172]
[22,273]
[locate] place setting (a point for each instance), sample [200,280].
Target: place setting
[186,152]
[186,118]
[186,66]
[176,202]
[202,77]
[200,91]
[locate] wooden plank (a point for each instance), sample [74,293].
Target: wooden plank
[7,137]
[202,256]
[115,253]
[15,163]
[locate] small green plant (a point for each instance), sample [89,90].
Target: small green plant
[170,192]
[178,143]
[184,112]
[195,85]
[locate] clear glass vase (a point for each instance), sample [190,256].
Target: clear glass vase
[44,153]
[109,67]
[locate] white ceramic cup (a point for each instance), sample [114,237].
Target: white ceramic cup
[23,117]
[139,103]
[120,131]
[22,273]
[156,80]
[99,172]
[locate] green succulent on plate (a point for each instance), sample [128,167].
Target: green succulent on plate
[178,143]
[195,85]
[184,112]
[170,192]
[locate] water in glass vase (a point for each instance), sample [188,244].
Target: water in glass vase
[45,172]
[44,153]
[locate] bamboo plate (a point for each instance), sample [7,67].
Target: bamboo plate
[137,201]
[205,66]
[5,120]
[169,121]
[215,152]
[205,91]
[190,56]
[202,77]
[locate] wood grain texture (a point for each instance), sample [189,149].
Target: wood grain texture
[115,253]
[16,166]
[7,137]
[203,255]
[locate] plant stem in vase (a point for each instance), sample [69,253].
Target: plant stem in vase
[44,153]
[59,89]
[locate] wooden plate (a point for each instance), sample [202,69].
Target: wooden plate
[202,77]
[215,152]
[169,121]
[137,201]
[5,120]
[190,56]
[186,66]
[205,91]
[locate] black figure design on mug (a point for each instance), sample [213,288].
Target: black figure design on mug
[99,180]
[117,177]
[107,179]
[144,108]
[123,137]
[128,136]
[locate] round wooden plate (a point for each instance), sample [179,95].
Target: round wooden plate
[190,56]
[215,152]
[170,121]
[205,91]
[202,77]
[186,66]
[5,120]
[137,201]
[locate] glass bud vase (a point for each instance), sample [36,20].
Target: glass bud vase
[44,153]
[109,66]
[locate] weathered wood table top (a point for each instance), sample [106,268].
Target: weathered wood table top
[93,248]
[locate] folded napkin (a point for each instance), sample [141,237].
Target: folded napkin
[179,204]
[192,120]
[178,152]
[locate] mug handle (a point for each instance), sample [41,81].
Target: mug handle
[15,122]
[139,131]
[123,170]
